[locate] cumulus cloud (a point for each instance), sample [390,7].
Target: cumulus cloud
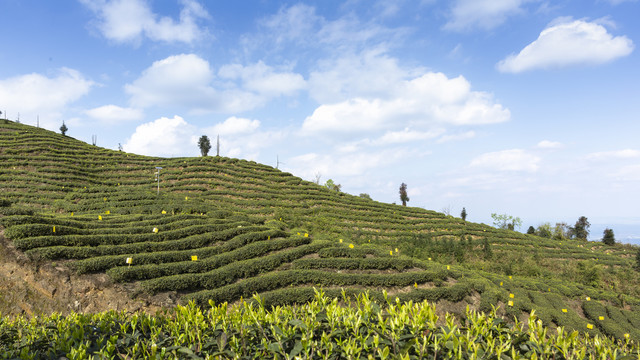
[339,164]
[568,43]
[408,135]
[115,114]
[547,144]
[128,21]
[35,94]
[423,102]
[456,137]
[188,81]
[617,154]
[164,137]
[234,125]
[507,160]
[483,14]
[263,79]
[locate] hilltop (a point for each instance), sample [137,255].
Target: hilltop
[85,229]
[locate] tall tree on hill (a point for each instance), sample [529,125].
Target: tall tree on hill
[463,214]
[531,230]
[403,194]
[204,144]
[608,238]
[63,129]
[581,229]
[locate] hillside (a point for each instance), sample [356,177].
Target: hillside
[86,225]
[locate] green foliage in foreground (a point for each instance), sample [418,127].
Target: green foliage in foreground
[320,329]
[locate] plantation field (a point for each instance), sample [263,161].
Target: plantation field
[221,230]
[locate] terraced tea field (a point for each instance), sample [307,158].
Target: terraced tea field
[221,230]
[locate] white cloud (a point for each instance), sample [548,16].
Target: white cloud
[234,125]
[618,154]
[455,137]
[408,135]
[483,14]
[115,114]
[547,144]
[262,79]
[164,137]
[177,80]
[507,160]
[369,74]
[35,94]
[188,81]
[568,43]
[423,102]
[339,165]
[130,20]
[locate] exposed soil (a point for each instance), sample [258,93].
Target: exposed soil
[31,289]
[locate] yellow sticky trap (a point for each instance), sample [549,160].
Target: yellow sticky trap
[298,234]
[626,336]
[501,283]
[72,213]
[155,230]
[105,199]
[164,212]
[99,217]
[54,228]
[186,198]
[600,318]
[306,235]
[549,289]
[588,298]
[511,296]
[391,252]
[341,241]
[129,261]
[448,267]
[194,257]
[107,212]
[396,249]
[269,237]
[415,285]
[510,277]
[429,259]
[589,326]
[564,310]
[510,303]
[351,246]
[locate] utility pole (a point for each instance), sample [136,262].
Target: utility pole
[158,168]
[278,162]
[218,146]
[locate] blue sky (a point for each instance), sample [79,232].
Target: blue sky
[528,108]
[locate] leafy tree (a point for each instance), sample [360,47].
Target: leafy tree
[504,221]
[403,194]
[463,214]
[544,230]
[365,196]
[332,186]
[562,231]
[204,144]
[608,238]
[581,229]
[531,230]
[63,129]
